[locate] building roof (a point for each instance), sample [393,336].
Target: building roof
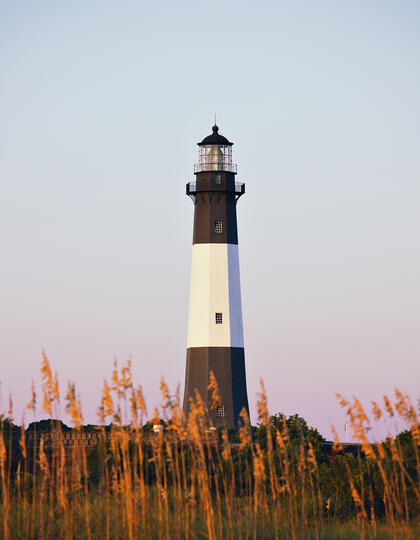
[215,138]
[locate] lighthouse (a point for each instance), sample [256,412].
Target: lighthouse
[215,332]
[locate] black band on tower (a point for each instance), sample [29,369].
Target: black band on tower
[228,366]
[215,203]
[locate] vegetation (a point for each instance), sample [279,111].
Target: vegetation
[277,480]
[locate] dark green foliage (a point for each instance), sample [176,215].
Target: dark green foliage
[98,460]
[298,432]
[45,426]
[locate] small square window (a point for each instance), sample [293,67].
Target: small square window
[218,227]
[218,178]
[219,318]
[220,411]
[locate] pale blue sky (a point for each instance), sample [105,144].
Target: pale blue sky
[101,106]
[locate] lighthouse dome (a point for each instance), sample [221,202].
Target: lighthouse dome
[215,138]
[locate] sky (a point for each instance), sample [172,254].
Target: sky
[101,107]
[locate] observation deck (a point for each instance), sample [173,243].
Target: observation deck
[238,189]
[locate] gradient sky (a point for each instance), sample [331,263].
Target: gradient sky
[101,107]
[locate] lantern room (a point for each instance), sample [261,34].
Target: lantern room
[215,154]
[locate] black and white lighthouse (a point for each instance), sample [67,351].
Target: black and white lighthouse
[215,330]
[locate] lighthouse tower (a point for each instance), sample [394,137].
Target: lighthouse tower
[215,332]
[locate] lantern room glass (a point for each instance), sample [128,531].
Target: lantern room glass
[215,157]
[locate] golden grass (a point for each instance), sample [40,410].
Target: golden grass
[192,483]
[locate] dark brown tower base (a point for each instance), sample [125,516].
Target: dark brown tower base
[228,366]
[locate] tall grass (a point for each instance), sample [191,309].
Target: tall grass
[190,482]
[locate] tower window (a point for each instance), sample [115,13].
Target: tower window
[220,411]
[218,178]
[219,318]
[218,227]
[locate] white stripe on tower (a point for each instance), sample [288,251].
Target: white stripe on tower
[215,288]
[235,302]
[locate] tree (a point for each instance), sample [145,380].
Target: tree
[298,432]
[47,426]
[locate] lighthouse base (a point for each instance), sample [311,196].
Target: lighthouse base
[228,366]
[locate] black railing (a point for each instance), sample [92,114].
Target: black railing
[191,190]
